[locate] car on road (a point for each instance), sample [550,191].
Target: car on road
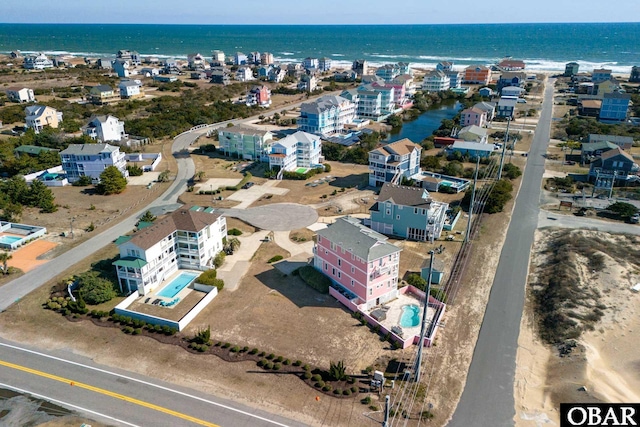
[247,185]
[635,219]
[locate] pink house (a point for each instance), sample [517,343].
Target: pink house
[473,116]
[359,261]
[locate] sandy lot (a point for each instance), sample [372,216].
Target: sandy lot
[604,365]
[29,257]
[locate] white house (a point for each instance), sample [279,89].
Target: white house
[308,83]
[91,160]
[105,128]
[39,116]
[130,89]
[436,81]
[121,67]
[17,94]
[512,91]
[326,115]
[244,74]
[37,62]
[299,150]
[186,239]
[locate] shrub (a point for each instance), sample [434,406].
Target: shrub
[354,389]
[279,359]
[271,356]
[276,367]
[417,281]
[320,384]
[346,392]
[262,353]
[286,362]
[297,363]
[261,362]
[202,348]
[275,259]
[315,279]
[253,351]
[219,259]
[209,278]
[137,331]
[235,349]
[234,232]
[366,400]
[244,349]
[306,367]
[307,375]
[268,365]
[326,387]
[351,380]
[337,371]
[94,289]
[317,377]
[203,336]
[327,167]
[226,345]
[337,391]
[127,329]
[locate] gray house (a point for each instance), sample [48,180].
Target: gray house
[614,162]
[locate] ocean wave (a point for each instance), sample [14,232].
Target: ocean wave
[287,53]
[337,54]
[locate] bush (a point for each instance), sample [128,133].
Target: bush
[439,294]
[268,365]
[271,356]
[306,368]
[279,359]
[326,387]
[219,259]
[354,389]
[261,362]
[297,363]
[346,392]
[286,362]
[226,345]
[337,391]
[327,167]
[253,351]
[209,278]
[417,281]
[111,181]
[94,289]
[235,349]
[275,258]
[234,232]
[337,371]
[316,377]
[83,181]
[511,171]
[320,384]
[307,375]
[366,400]
[315,279]
[276,366]
[137,331]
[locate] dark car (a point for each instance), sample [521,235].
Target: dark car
[247,185]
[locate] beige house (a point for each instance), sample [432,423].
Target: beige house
[39,116]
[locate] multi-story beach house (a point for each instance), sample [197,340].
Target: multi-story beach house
[571,69]
[435,81]
[390,71]
[615,107]
[392,161]
[408,212]
[506,107]
[39,116]
[512,91]
[129,55]
[600,75]
[105,129]
[277,75]
[326,115]
[324,64]
[487,107]
[244,74]
[217,56]
[245,143]
[472,133]
[634,76]
[266,58]
[196,62]
[509,64]
[102,94]
[361,67]
[39,61]
[121,67]
[220,75]
[309,62]
[240,59]
[511,78]
[624,142]
[16,94]
[254,58]
[260,96]
[455,79]
[444,66]
[358,260]
[105,63]
[299,150]
[130,89]
[186,239]
[307,83]
[91,160]
[614,164]
[473,116]
[477,74]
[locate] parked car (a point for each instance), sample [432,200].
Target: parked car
[635,219]
[247,185]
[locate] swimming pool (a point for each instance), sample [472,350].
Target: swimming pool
[410,316]
[446,183]
[176,285]
[8,240]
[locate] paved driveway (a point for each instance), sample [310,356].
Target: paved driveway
[276,217]
[550,219]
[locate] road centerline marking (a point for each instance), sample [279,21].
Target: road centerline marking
[109,393]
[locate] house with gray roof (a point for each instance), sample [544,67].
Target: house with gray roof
[91,160]
[360,262]
[624,142]
[408,212]
[326,115]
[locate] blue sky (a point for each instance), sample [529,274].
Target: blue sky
[310,12]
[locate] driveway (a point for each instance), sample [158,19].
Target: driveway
[550,219]
[247,196]
[276,217]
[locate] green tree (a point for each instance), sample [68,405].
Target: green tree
[41,196]
[622,209]
[199,176]
[148,217]
[11,212]
[454,168]
[94,289]
[417,281]
[395,121]
[431,163]
[83,181]
[4,259]
[164,176]
[337,371]
[134,170]
[111,181]
[499,196]
[511,171]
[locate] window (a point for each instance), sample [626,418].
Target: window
[388,211]
[339,263]
[415,211]
[352,282]
[397,216]
[333,271]
[370,291]
[339,274]
[326,266]
[353,269]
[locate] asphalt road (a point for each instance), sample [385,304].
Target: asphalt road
[117,397]
[487,399]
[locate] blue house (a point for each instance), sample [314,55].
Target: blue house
[615,106]
[408,212]
[472,149]
[438,271]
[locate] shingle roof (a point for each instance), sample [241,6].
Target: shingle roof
[405,196]
[181,220]
[474,146]
[323,103]
[594,137]
[600,145]
[244,130]
[358,239]
[89,149]
[616,152]
[485,106]
[398,148]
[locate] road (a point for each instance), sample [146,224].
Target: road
[116,397]
[487,399]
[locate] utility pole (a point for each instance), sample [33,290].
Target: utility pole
[504,148]
[387,407]
[473,199]
[423,328]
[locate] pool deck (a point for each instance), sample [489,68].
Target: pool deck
[152,296]
[394,312]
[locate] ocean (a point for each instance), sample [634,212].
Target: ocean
[541,46]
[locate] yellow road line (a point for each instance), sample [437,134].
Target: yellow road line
[108,393]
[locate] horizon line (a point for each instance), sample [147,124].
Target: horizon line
[316,25]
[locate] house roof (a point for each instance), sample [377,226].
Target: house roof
[602,71]
[617,95]
[600,145]
[485,106]
[130,262]
[616,152]
[37,110]
[129,83]
[398,148]
[15,89]
[299,136]
[480,67]
[472,146]
[244,130]
[510,75]
[322,104]
[592,103]
[183,219]
[102,88]
[89,149]
[405,196]
[594,137]
[507,102]
[475,130]
[32,149]
[513,88]
[358,239]
[473,110]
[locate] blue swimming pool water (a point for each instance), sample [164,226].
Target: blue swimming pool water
[410,316]
[7,240]
[176,285]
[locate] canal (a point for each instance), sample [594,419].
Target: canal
[427,122]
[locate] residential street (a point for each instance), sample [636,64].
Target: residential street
[487,399]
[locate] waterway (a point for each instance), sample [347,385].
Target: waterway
[427,122]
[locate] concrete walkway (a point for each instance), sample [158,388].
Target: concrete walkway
[282,239]
[235,266]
